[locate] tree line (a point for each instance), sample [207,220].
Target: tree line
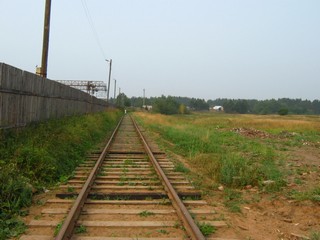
[183,105]
[280,106]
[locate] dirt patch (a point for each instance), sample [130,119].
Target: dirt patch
[38,205]
[250,132]
[283,135]
[273,215]
[277,216]
[308,156]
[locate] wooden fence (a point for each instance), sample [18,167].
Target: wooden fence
[26,97]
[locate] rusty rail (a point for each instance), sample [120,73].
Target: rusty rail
[70,221]
[190,226]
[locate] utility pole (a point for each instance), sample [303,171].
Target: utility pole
[110,66]
[115,89]
[120,98]
[144,98]
[45,46]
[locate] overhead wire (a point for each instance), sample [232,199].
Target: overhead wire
[93,29]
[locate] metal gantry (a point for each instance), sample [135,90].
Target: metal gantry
[91,87]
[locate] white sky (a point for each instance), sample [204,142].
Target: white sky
[251,49]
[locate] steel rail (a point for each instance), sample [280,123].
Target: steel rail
[70,221]
[192,229]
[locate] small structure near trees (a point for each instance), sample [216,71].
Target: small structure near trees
[217,108]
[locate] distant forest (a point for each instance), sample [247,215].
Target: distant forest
[174,105]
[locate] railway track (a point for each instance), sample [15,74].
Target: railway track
[127,190]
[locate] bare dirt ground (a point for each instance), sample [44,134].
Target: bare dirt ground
[277,216]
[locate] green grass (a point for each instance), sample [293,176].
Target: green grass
[233,200]
[179,167]
[121,183]
[80,229]
[220,155]
[129,162]
[218,152]
[70,189]
[146,213]
[58,228]
[11,227]
[315,236]
[163,231]
[206,229]
[42,155]
[312,195]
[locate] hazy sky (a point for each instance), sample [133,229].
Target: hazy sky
[251,49]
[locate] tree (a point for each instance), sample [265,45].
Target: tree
[199,104]
[316,106]
[283,111]
[241,106]
[228,106]
[271,106]
[123,101]
[183,109]
[166,105]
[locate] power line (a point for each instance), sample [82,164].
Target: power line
[91,24]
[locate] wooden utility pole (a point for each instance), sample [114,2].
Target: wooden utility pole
[45,46]
[115,89]
[110,66]
[144,98]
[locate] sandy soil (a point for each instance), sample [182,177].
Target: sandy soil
[276,216]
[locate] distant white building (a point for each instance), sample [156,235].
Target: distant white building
[217,108]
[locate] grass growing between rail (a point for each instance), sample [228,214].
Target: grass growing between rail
[214,148]
[42,155]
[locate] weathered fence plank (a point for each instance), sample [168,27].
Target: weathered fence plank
[26,97]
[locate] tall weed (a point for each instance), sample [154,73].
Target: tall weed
[237,171]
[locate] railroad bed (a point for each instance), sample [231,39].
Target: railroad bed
[128,197]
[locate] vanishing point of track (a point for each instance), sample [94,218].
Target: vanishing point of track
[127,190]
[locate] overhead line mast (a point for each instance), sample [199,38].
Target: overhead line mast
[45,46]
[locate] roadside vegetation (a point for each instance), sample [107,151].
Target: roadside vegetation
[236,151]
[42,155]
